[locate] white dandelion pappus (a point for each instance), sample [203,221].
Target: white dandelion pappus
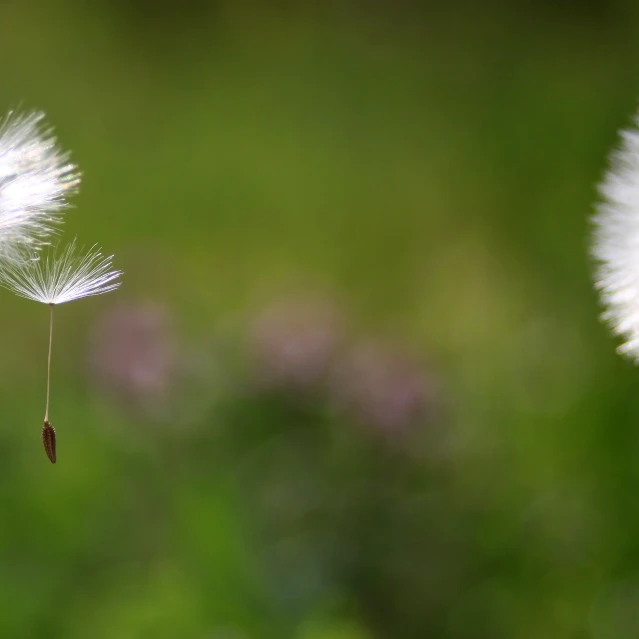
[35,178]
[58,279]
[616,243]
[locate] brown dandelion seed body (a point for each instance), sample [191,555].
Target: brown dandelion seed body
[48,439]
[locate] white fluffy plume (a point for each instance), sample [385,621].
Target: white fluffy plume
[616,242]
[59,278]
[35,179]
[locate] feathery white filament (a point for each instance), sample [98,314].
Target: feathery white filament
[57,279]
[616,243]
[35,178]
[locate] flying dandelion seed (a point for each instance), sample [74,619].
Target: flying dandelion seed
[35,178]
[54,280]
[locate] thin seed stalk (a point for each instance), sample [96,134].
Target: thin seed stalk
[46,412]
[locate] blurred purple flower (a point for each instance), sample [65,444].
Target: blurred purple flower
[382,387]
[133,354]
[292,343]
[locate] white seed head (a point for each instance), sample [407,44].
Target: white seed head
[61,277]
[616,242]
[35,179]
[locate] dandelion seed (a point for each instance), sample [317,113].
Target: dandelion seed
[35,178]
[58,279]
[48,439]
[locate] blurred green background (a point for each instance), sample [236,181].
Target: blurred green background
[354,385]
